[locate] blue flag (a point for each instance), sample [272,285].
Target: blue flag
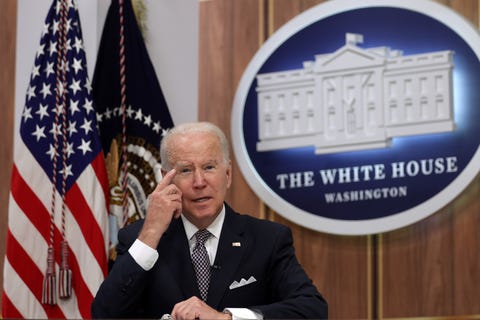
[124,75]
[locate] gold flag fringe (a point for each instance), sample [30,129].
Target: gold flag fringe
[141,14]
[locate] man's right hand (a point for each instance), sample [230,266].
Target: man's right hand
[164,203]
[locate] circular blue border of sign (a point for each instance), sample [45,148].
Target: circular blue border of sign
[382,24]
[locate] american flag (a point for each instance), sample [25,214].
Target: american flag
[59,186]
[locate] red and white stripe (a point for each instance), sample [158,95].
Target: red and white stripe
[28,235]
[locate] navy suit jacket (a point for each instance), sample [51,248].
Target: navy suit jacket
[247,247]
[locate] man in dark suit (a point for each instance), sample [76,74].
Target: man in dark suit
[252,272]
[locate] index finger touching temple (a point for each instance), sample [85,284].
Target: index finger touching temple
[166,180]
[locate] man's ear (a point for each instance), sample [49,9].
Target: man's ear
[229,173]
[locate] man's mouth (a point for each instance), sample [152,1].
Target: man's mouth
[202,199]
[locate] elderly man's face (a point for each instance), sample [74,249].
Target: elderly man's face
[202,176]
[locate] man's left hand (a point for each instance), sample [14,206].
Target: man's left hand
[195,308]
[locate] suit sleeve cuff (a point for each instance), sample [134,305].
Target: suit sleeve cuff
[243,314]
[144,255]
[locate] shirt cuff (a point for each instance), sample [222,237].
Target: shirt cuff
[144,255]
[243,314]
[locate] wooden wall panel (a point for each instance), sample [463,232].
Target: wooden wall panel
[8,21]
[432,268]
[466,251]
[417,269]
[229,37]
[281,11]
[339,266]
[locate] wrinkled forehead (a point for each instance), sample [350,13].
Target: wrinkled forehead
[194,147]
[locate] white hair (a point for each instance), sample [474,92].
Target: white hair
[191,127]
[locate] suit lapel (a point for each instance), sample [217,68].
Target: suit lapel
[231,248]
[175,245]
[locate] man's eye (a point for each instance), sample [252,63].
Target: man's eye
[185,171]
[210,167]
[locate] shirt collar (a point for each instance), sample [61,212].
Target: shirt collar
[215,227]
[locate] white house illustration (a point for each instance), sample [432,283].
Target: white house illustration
[355,99]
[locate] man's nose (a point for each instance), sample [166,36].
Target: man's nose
[198,179]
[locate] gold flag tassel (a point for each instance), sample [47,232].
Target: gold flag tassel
[65,276]
[140,11]
[49,294]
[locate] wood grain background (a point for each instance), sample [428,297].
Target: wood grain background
[427,270]
[8,27]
